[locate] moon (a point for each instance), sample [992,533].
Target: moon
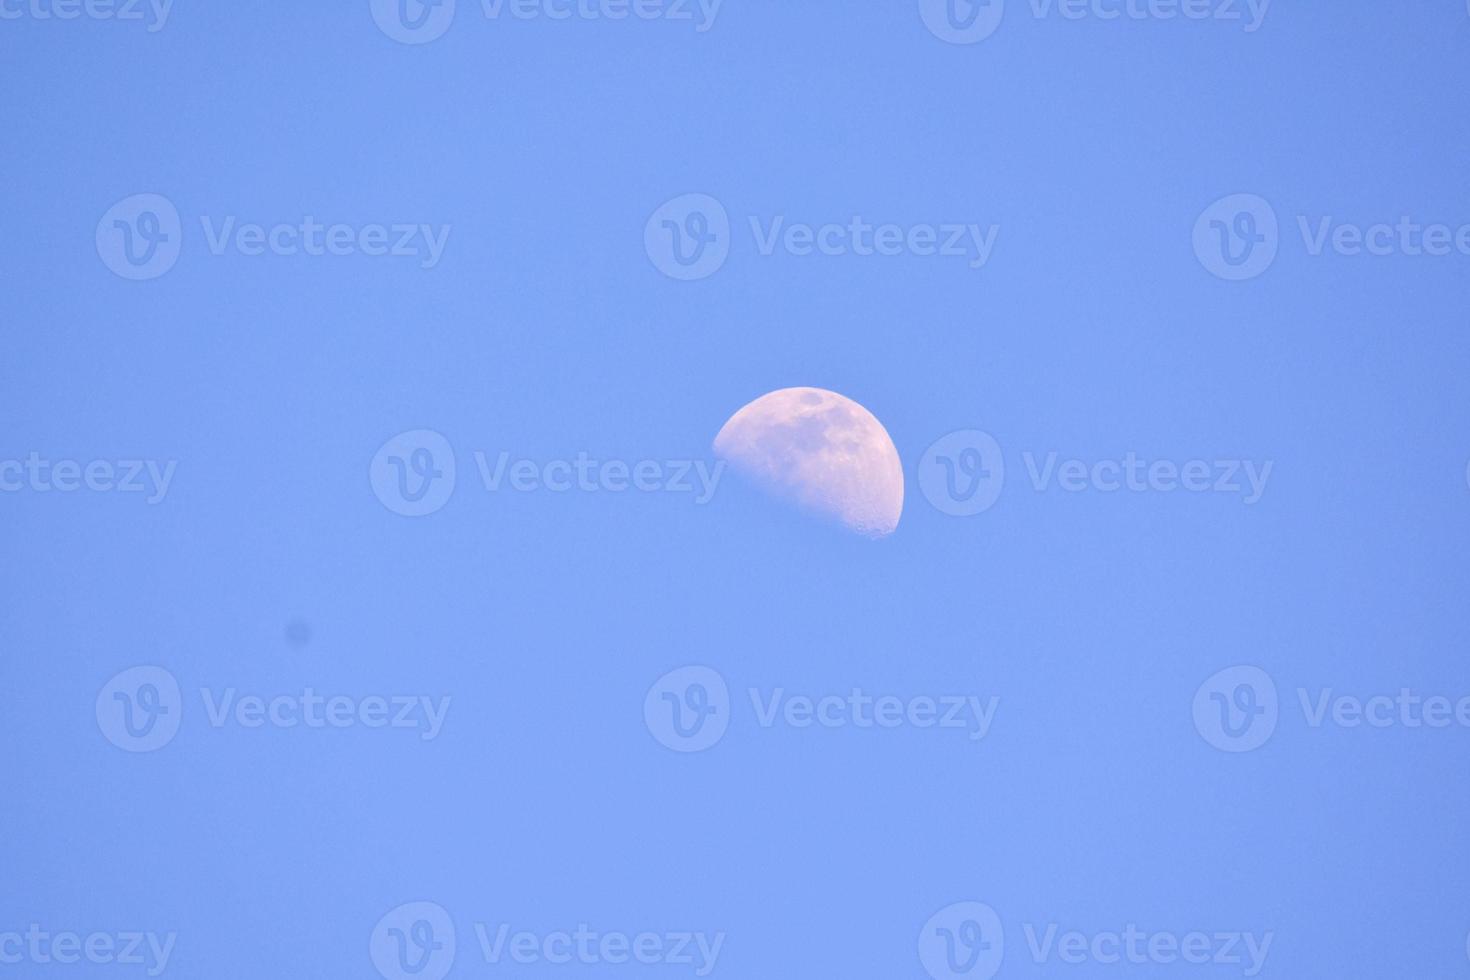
[821,451]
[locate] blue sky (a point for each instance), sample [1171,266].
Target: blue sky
[254,391]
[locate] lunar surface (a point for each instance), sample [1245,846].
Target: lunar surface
[823,452]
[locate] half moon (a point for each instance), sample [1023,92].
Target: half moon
[822,451]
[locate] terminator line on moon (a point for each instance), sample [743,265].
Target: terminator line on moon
[822,451]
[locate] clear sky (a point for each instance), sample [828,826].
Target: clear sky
[539,315]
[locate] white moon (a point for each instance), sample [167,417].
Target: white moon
[821,450]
